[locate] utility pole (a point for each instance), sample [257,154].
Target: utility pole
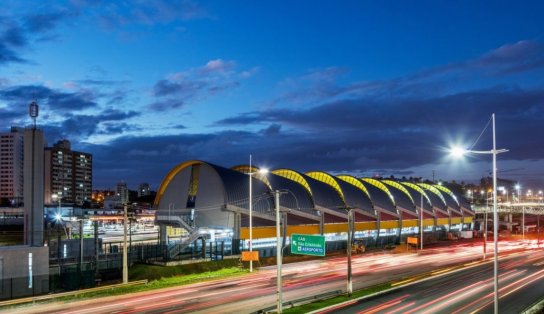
[125,256]
[278,252]
[349,287]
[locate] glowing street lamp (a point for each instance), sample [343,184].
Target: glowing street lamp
[458,152]
[262,171]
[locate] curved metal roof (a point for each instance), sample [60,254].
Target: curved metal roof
[297,196]
[170,176]
[417,192]
[403,198]
[380,195]
[294,176]
[254,171]
[450,198]
[236,185]
[351,195]
[323,194]
[437,199]
[356,182]
[308,191]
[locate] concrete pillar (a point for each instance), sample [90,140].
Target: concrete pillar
[34,143]
[162,235]
[435,220]
[322,223]
[236,229]
[399,232]
[378,227]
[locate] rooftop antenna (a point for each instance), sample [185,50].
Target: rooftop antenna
[33,111]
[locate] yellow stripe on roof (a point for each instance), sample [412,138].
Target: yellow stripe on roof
[294,176]
[400,187]
[380,186]
[327,179]
[356,182]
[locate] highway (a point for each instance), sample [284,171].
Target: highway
[256,291]
[468,291]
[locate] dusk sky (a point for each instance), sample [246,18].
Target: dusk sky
[359,87]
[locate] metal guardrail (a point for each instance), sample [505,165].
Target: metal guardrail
[535,308]
[70,293]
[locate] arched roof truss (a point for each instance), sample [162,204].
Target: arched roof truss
[170,176]
[447,191]
[354,181]
[294,176]
[434,191]
[327,179]
[419,189]
[255,173]
[400,187]
[380,186]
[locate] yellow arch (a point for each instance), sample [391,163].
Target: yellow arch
[170,176]
[448,191]
[354,181]
[255,173]
[419,189]
[294,176]
[434,190]
[380,186]
[400,187]
[327,179]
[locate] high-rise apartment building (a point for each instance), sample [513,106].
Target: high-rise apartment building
[68,174]
[11,167]
[122,192]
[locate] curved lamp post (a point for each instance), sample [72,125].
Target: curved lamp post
[458,152]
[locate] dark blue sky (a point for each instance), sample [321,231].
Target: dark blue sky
[360,87]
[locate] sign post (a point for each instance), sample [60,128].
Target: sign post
[307,244]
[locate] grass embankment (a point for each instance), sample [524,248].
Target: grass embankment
[170,276]
[336,300]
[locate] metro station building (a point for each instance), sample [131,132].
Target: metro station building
[202,200]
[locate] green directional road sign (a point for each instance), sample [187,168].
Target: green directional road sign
[307,244]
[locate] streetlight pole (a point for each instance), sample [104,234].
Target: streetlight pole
[421,223]
[349,287]
[494,152]
[538,230]
[485,233]
[523,223]
[495,222]
[278,253]
[125,256]
[250,215]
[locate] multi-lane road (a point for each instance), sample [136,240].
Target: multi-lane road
[471,290]
[256,291]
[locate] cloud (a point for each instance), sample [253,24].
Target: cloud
[118,14]
[19,31]
[405,122]
[195,84]
[109,121]
[55,99]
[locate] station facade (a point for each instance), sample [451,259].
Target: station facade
[203,199]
